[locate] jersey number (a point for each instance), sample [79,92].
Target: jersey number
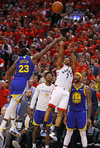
[24,68]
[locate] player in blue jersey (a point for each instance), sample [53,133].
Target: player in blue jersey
[80,99]
[24,67]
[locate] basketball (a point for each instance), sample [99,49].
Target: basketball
[57,7]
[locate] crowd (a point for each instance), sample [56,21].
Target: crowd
[33,24]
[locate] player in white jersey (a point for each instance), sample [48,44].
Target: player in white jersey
[42,92]
[60,93]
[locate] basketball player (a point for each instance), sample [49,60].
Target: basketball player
[24,67]
[60,93]
[80,98]
[43,94]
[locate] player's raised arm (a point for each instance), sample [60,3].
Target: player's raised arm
[73,57]
[46,49]
[60,55]
[10,71]
[89,103]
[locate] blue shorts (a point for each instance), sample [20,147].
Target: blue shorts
[17,88]
[77,120]
[39,118]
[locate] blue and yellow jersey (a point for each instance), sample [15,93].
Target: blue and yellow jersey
[77,100]
[24,67]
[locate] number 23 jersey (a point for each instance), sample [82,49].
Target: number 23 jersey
[64,77]
[24,67]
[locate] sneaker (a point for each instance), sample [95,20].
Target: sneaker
[15,144]
[43,133]
[53,136]
[14,132]
[1,135]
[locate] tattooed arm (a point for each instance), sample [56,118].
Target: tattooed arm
[89,103]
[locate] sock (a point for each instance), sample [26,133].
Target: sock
[44,124]
[34,145]
[3,124]
[64,146]
[46,146]
[56,129]
[13,123]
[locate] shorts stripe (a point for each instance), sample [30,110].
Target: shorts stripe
[51,105]
[61,109]
[35,123]
[70,128]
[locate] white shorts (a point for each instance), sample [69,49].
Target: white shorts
[59,97]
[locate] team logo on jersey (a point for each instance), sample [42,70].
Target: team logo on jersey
[46,94]
[76,98]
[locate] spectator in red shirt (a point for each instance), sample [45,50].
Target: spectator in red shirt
[78,49]
[94,45]
[33,49]
[3,94]
[46,26]
[35,80]
[88,25]
[80,29]
[81,66]
[90,74]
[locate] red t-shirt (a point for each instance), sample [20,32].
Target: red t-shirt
[35,85]
[3,96]
[91,77]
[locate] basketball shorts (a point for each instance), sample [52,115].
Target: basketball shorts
[17,88]
[59,97]
[77,120]
[39,118]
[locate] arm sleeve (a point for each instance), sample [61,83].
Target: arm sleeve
[35,96]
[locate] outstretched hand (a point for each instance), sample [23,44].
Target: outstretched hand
[61,43]
[61,38]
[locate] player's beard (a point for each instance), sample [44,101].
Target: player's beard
[76,81]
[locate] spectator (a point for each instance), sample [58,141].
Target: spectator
[33,49]
[23,42]
[8,51]
[24,104]
[69,6]
[90,74]
[13,57]
[35,80]
[26,133]
[95,69]
[42,79]
[3,94]
[8,125]
[87,55]
[97,83]
[30,87]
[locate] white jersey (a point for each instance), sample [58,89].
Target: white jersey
[64,77]
[42,92]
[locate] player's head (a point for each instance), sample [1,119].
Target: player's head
[48,76]
[77,77]
[85,80]
[67,60]
[25,51]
